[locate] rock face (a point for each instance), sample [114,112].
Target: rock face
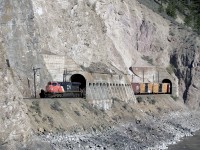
[14,122]
[185,58]
[113,33]
[116,33]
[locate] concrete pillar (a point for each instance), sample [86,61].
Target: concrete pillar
[129,92]
[125,94]
[98,92]
[121,92]
[106,91]
[89,92]
[95,90]
[132,95]
[109,91]
[101,92]
[118,92]
[98,97]
[112,91]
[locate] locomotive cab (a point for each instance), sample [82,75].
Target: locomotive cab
[70,86]
[61,89]
[54,87]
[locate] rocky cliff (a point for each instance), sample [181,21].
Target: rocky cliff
[14,122]
[115,34]
[185,60]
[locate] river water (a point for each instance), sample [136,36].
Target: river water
[189,143]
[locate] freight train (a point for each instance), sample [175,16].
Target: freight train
[62,89]
[151,88]
[72,89]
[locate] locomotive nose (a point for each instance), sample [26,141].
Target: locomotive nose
[49,89]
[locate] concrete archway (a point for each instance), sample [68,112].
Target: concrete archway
[79,78]
[170,85]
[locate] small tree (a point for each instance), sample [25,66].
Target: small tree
[161,8]
[188,20]
[197,23]
[171,9]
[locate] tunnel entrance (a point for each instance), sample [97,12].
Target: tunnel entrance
[79,78]
[169,88]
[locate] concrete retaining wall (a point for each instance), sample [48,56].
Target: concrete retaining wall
[102,89]
[56,64]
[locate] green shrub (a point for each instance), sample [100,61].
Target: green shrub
[77,113]
[50,119]
[161,9]
[56,106]
[170,69]
[139,99]
[181,7]
[197,23]
[188,20]
[175,98]
[35,105]
[115,99]
[159,109]
[171,9]
[151,101]
[148,59]
[171,33]
[125,106]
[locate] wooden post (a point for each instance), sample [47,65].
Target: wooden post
[34,78]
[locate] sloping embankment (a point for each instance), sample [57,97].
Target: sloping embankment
[75,124]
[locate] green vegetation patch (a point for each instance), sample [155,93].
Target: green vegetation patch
[170,69]
[139,99]
[36,107]
[56,106]
[171,9]
[151,101]
[148,59]
[175,98]
[189,8]
[77,113]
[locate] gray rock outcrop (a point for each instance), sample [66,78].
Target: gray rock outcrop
[113,33]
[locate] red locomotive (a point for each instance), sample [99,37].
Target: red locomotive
[62,89]
[54,87]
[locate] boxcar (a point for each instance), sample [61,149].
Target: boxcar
[136,88]
[142,88]
[150,88]
[165,88]
[146,88]
[155,88]
[159,88]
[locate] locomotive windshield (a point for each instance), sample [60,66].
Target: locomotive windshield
[54,84]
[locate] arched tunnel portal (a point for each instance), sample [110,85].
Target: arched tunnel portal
[170,85]
[79,78]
